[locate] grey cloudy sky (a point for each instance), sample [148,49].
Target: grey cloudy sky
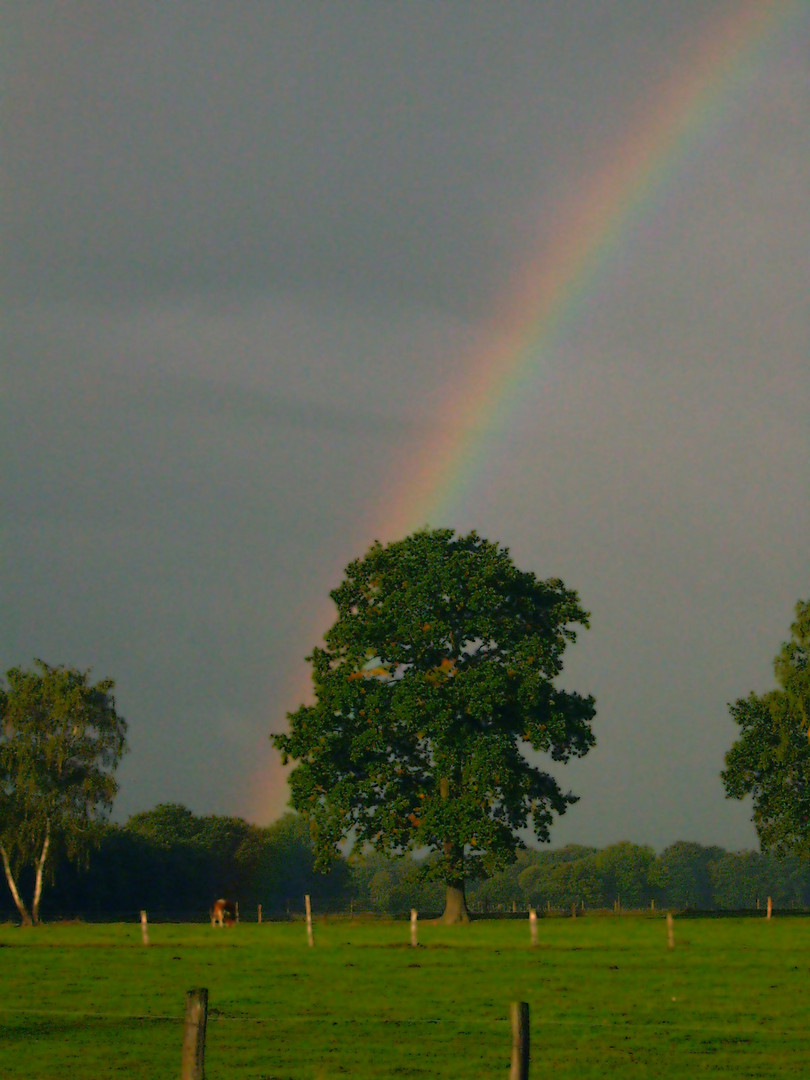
[249,254]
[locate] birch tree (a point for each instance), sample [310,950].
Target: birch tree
[61,740]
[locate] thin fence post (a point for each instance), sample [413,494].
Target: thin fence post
[533,925]
[770,908]
[308,906]
[259,914]
[414,931]
[670,930]
[144,929]
[193,1064]
[520,1041]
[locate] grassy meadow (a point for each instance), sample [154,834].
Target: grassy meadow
[607,999]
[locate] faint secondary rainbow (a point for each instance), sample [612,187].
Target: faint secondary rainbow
[548,297]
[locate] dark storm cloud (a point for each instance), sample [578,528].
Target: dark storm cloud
[364,148]
[250,254]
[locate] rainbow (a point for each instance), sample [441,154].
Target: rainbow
[547,297]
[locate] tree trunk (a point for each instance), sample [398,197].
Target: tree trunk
[12,884]
[455,904]
[40,871]
[455,900]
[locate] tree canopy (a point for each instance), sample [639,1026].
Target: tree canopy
[436,678]
[770,760]
[61,740]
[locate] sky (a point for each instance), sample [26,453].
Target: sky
[280,279]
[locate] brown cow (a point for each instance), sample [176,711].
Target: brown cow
[224,913]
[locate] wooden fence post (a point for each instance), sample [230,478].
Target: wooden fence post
[259,914]
[533,925]
[770,908]
[670,930]
[520,1041]
[308,906]
[144,929]
[414,931]
[193,1064]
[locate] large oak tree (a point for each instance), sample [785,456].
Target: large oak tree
[770,760]
[60,742]
[436,678]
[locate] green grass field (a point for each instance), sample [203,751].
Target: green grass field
[607,999]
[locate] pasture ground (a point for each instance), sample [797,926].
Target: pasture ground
[607,999]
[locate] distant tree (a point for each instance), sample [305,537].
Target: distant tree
[287,870]
[61,740]
[577,881]
[166,824]
[419,889]
[682,874]
[503,889]
[363,868]
[392,885]
[119,879]
[563,877]
[531,872]
[770,759]
[787,879]
[738,880]
[195,859]
[234,851]
[745,879]
[171,869]
[381,887]
[437,674]
[625,870]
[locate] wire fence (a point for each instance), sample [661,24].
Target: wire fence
[295,911]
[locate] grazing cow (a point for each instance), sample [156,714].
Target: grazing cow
[224,913]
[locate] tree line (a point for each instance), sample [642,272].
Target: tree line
[436,703]
[175,864]
[684,876]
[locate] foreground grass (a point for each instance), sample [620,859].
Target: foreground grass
[607,999]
